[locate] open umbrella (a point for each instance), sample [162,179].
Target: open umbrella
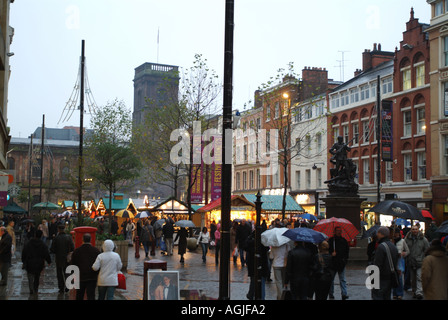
[443,229]
[427,214]
[398,209]
[143,214]
[308,216]
[370,232]
[159,224]
[274,237]
[14,208]
[327,226]
[46,205]
[402,222]
[124,214]
[185,224]
[305,235]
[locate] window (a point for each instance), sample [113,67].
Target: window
[438,9]
[277,178]
[389,171]
[407,79]
[366,131]
[345,133]
[308,145]
[373,89]
[245,153]
[375,170]
[445,153]
[366,170]
[421,164]
[298,146]
[65,170]
[244,180]
[258,179]
[318,177]
[298,179]
[335,134]
[354,95]
[387,85]
[319,142]
[11,163]
[344,98]
[35,170]
[237,182]
[298,115]
[308,179]
[407,125]
[335,101]
[277,110]
[356,164]
[407,160]
[258,124]
[420,75]
[308,112]
[319,108]
[421,121]
[251,179]
[268,113]
[365,92]
[355,133]
[268,142]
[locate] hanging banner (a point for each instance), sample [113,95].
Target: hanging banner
[386,131]
[197,188]
[4,190]
[216,181]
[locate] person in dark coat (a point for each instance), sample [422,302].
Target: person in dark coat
[5,255]
[325,272]
[52,230]
[182,244]
[381,260]
[34,255]
[114,226]
[300,266]
[242,233]
[250,260]
[62,245]
[168,233]
[339,250]
[84,257]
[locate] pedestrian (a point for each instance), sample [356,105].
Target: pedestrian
[339,251]
[168,233]
[386,258]
[242,233]
[300,266]
[325,273]
[52,230]
[147,236]
[213,228]
[217,242]
[203,241]
[279,258]
[158,233]
[34,255]
[30,231]
[62,245]
[182,235]
[84,257]
[11,232]
[435,272]
[5,255]
[403,251]
[114,226]
[44,228]
[431,232]
[418,245]
[109,264]
[371,247]
[263,268]
[130,226]
[233,244]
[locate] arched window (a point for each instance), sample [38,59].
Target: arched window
[65,170]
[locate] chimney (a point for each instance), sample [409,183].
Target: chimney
[358,72]
[371,59]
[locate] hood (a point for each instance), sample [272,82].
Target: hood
[420,235]
[436,251]
[108,246]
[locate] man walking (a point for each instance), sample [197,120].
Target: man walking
[84,257]
[62,245]
[5,255]
[242,233]
[385,254]
[339,250]
[417,244]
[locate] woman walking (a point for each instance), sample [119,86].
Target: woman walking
[182,245]
[203,240]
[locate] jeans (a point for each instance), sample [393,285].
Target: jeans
[416,281]
[106,292]
[169,245]
[242,256]
[342,283]
[279,276]
[204,247]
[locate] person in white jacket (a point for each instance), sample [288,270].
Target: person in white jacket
[109,263]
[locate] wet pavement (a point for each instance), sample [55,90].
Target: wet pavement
[196,278]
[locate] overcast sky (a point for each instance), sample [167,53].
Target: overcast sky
[121,35]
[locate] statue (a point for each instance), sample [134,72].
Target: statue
[342,179]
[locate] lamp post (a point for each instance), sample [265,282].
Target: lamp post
[257,260]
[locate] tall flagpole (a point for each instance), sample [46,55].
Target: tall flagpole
[81,131]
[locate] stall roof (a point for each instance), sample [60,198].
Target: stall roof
[172,206]
[235,201]
[275,202]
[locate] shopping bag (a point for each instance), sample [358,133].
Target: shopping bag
[286,294]
[162,245]
[121,281]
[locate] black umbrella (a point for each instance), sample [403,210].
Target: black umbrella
[398,209]
[443,229]
[370,232]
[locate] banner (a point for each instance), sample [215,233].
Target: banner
[197,188]
[216,181]
[386,131]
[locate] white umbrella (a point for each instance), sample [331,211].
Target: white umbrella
[274,237]
[185,224]
[144,214]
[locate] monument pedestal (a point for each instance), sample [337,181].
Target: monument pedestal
[347,207]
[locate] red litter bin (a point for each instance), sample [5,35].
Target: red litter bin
[79,233]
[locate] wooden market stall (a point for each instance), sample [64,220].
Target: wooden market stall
[173,208]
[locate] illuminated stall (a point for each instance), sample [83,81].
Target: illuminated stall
[173,208]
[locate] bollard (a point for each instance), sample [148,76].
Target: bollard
[151,264]
[137,247]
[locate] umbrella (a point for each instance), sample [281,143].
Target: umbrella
[305,235]
[403,222]
[124,214]
[443,229]
[327,226]
[14,208]
[427,214]
[185,224]
[26,221]
[398,209]
[46,205]
[143,214]
[308,216]
[274,237]
[159,224]
[371,232]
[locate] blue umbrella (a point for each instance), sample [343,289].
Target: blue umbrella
[403,222]
[308,216]
[305,235]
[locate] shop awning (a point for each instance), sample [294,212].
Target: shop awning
[14,208]
[235,201]
[273,203]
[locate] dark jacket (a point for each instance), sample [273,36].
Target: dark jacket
[5,248]
[381,260]
[250,258]
[243,231]
[182,235]
[61,246]
[52,230]
[168,230]
[342,250]
[84,257]
[301,263]
[34,255]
